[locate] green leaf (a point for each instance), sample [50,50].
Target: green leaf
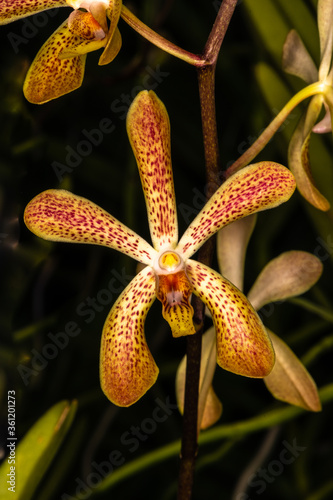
[36,451]
[273,20]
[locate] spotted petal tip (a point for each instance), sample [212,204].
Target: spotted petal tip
[255,188]
[148,130]
[11,10]
[243,346]
[50,77]
[127,368]
[58,215]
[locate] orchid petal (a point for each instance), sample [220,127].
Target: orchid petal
[289,380]
[209,406]
[50,77]
[127,368]
[296,60]
[113,12]
[11,10]
[112,48]
[325,125]
[325,23]
[58,215]
[290,274]
[81,47]
[254,188]
[148,130]
[232,243]
[213,410]
[114,42]
[243,346]
[298,156]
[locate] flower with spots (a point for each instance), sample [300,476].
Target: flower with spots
[288,275]
[127,368]
[297,61]
[58,68]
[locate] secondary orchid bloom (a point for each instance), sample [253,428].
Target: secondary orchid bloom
[59,66]
[297,61]
[127,368]
[290,274]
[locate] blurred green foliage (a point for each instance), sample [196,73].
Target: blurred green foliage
[55,297]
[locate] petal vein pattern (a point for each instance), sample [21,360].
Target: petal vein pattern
[127,368]
[58,215]
[243,346]
[254,188]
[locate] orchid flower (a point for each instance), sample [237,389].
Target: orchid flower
[297,61]
[127,368]
[290,274]
[58,68]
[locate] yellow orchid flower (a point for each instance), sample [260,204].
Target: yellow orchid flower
[289,275]
[58,68]
[127,368]
[297,61]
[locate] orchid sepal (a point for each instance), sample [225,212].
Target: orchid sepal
[58,215]
[257,187]
[127,367]
[243,346]
[289,381]
[152,151]
[11,10]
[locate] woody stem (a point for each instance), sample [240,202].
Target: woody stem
[206,80]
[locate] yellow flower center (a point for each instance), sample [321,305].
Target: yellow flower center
[169,261]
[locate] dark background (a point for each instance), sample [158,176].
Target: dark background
[43,285]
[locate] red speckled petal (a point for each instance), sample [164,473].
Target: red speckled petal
[254,188]
[243,346]
[11,10]
[58,215]
[127,368]
[148,129]
[50,77]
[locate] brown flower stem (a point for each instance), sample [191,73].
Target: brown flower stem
[206,80]
[159,40]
